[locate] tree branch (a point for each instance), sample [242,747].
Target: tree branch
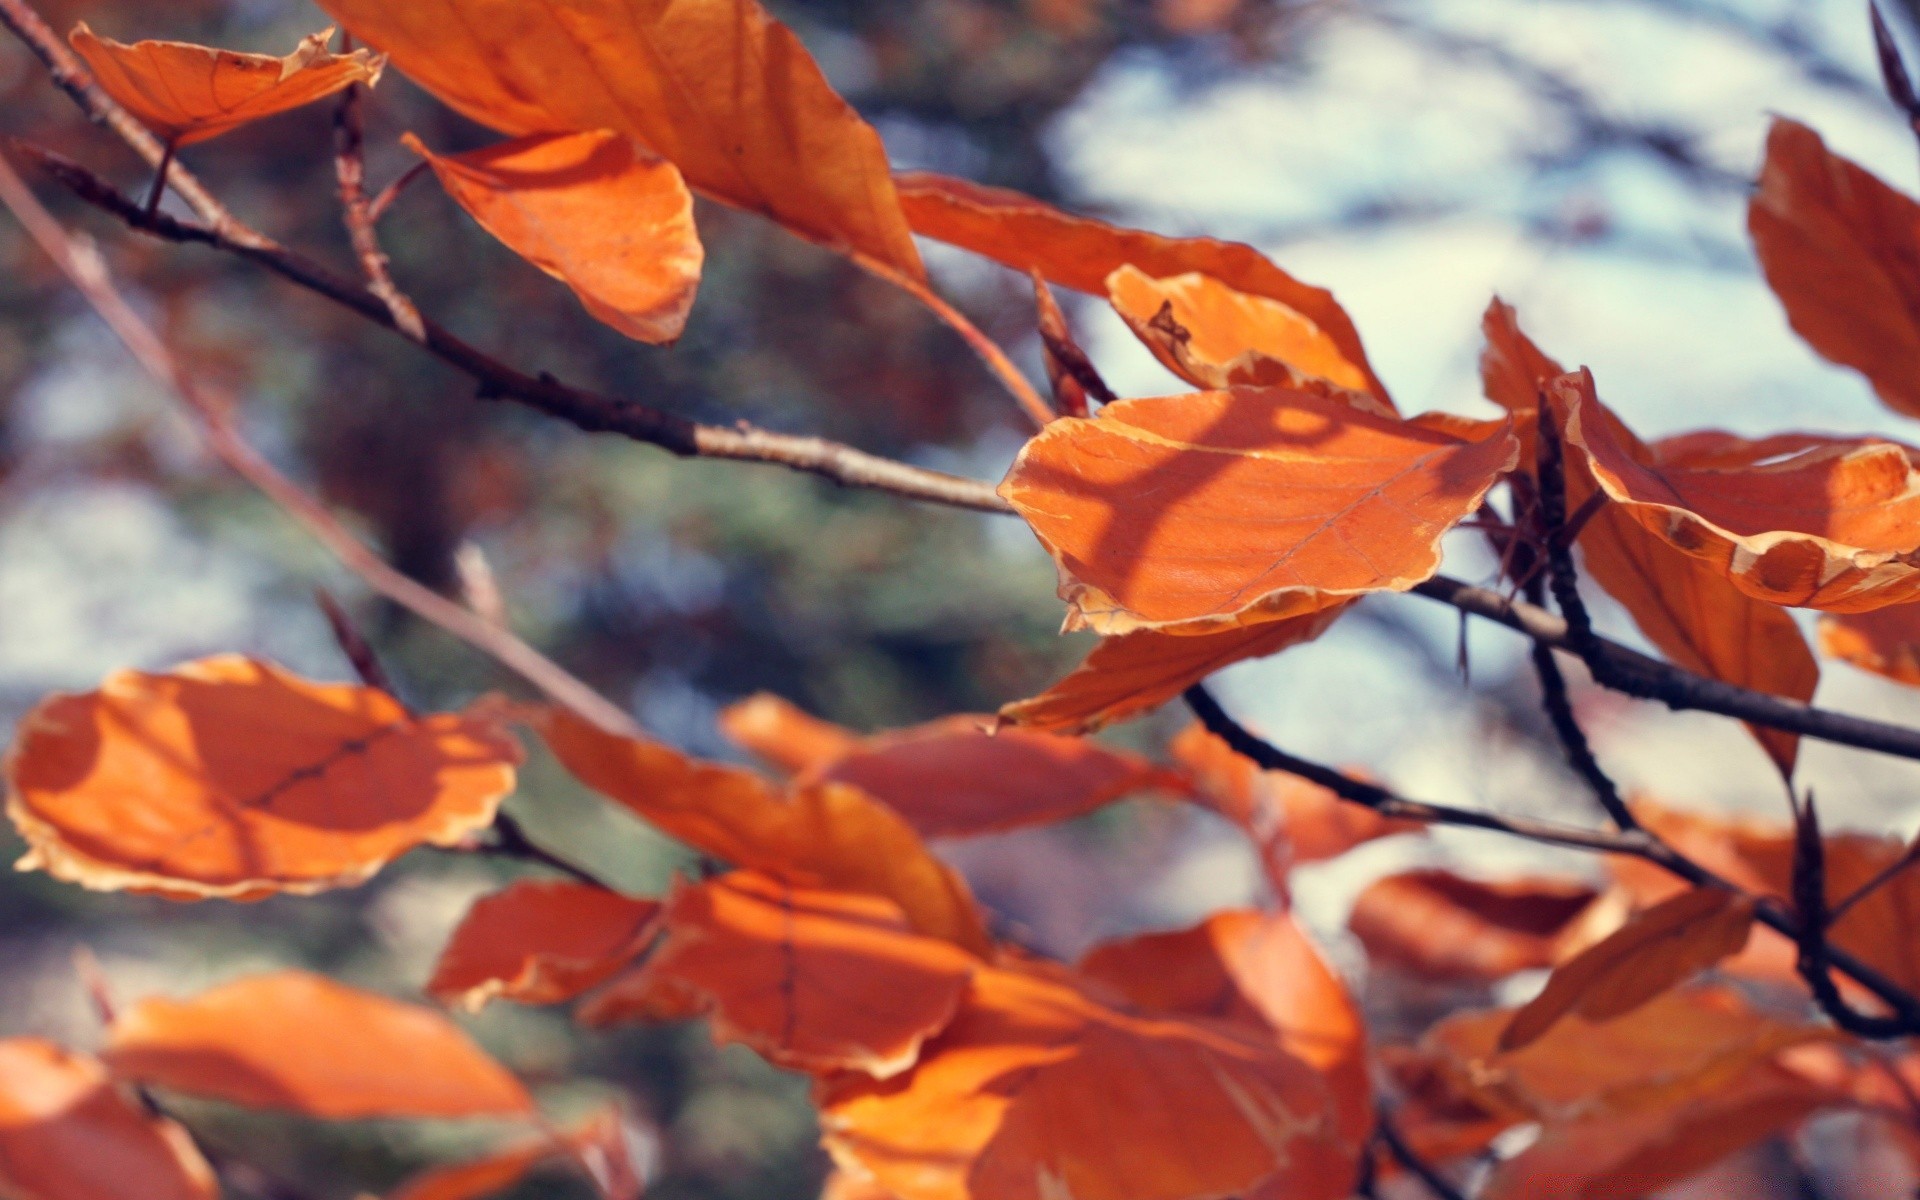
[350,169]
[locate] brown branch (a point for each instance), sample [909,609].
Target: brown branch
[1388,1134]
[1815,958]
[1634,843]
[350,169]
[511,841]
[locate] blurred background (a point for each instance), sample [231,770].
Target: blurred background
[1588,160]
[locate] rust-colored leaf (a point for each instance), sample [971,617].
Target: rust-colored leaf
[188,93]
[1080,253]
[596,1147]
[540,942]
[611,222]
[1841,250]
[305,1044]
[1685,607]
[1438,924]
[230,777]
[720,89]
[1257,969]
[1215,337]
[1828,523]
[1225,509]
[1657,949]
[829,835]
[66,1133]
[1127,676]
[1070,373]
[998,1107]
[1885,641]
[813,980]
[785,735]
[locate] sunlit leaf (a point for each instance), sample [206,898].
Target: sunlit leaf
[1216,510]
[597,1147]
[188,93]
[1080,253]
[814,980]
[719,89]
[305,1044]
[540,942]
[67,1133]
[1437,924]
[613,223]
[1656,950]
[1885,641]
[829,835]
[785,735]
[230,777]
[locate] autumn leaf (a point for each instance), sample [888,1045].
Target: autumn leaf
[1446,926]
[998,1107]
[1685,607]
[1260,970]
[1802,521]
[1224,509]
[813,980]
[956,776]
[1081,253]
[784,735]
[721,90]
[1075,381]
[540,942]
[1134,673]
[1215,337]
[596,1147]
[829,835]
[305,1044]
[188,93]
[1885,641]
[67,1133]
[1657,949]
[230,777]
[613,223]
[1841,250]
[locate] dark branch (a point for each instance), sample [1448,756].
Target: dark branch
[1389,1135]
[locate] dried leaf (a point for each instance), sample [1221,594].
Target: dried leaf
[1656,950]
[1215,337]
[1070,373]
[830,836]
[1224,509]
[613,223]
[813,980]
[720,89]
[1440,925]
[1885,641]
[1080,253]
[785,735]
[305,1044]
[997,1107]
[66,1133]
[1841,250]
[1685,607]
[188,93]
[230,777]
[540,942]
[1127,676]
[1825,523]
[1256,969]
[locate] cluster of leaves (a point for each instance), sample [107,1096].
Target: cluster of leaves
[1191,532]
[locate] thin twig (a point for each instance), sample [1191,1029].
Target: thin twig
[511,841]
[1886,875]
[1815,960]
[350,169]
[83,265]
[1404,1154]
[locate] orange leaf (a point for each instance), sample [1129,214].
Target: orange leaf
[784,734]
[719,89]
[1128,675]
[230,777]
[1080,253]
[1441,925]
[998,1107]
[1656,950]
[1214,337]
[306,1044]
[1685,607]
[613,223]
[827,836]
[1224,509]
[813,980]
[1257,969]
[188,93]
[66,1133]
[1841,250]
[540,942]
[1807,521]
[1885,641]
[598,1147]
[1290,820]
